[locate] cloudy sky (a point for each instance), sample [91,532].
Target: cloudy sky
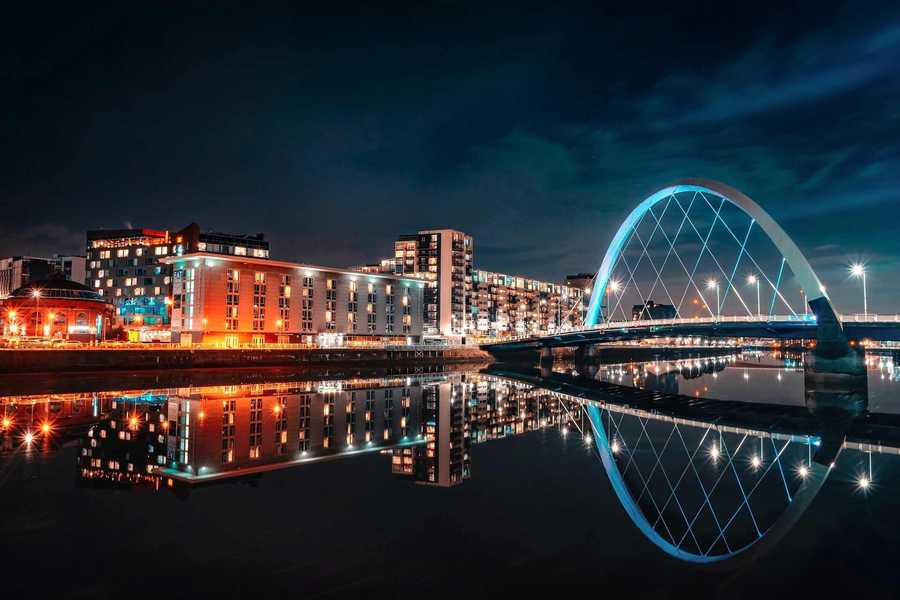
[535,128]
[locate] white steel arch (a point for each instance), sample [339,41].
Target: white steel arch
[816,294]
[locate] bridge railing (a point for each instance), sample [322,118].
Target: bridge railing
[642,323]
[869,318]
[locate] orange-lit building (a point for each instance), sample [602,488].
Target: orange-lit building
[56,308]
[235,300]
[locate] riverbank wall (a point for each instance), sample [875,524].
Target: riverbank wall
[107,359]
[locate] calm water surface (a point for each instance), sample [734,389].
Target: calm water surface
[614,478]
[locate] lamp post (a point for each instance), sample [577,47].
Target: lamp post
[859,271]
[37,309]
[711,284]
[13,327]
[611,289]
[754,280]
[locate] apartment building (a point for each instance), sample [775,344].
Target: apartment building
[236,300]
[443,258]
[505,305]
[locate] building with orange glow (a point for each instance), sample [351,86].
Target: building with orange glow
[56,308]
[234,300]
[126,266]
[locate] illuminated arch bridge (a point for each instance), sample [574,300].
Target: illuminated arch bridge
[723,268]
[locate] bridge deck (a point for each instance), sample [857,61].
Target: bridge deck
[782,327]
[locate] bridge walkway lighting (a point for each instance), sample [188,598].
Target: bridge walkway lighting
[858,270]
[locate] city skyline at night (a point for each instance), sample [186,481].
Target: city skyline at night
[307,125]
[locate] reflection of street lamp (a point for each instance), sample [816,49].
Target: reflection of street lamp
[859,271]
[711,284]
[754,280]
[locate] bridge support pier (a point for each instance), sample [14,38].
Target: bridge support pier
[837,391]
[585,353]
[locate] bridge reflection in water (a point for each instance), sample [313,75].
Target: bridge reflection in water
[711,480]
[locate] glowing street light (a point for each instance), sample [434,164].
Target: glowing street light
[710,285]
[859,271]
[754,280]
[36,294]
[613,288]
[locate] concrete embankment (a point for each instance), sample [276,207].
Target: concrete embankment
[101,359]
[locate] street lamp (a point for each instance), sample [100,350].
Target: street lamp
[754,280]
[612,288]
[713,284]
[859,271]
[37,308]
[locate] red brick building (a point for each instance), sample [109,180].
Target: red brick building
[56,308]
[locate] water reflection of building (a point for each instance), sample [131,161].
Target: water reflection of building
[444,459]
[231,430]
[195,435]
[129,444]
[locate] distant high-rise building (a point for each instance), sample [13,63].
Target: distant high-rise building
[443,258]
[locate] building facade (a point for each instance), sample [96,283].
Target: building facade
[18,271]
[126,266]
[234,300]
[443,258]
[506,306]
[56,308]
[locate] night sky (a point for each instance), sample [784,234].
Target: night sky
[534,129]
